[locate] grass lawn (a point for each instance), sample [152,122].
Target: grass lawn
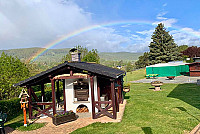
[173,110]
[17,123]
[135,75]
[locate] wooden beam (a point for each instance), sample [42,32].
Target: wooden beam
[113,99]
[58,91]
[98,92]
[29,102]
[117,101]
[92,97]
[42,103]
[43,94]
[119,89]
[122,87]
[34,95]
[64,95]
[53,96]
[103,102]
[43,111]
[70,77]
[104,111]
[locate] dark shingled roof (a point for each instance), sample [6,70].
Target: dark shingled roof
[90,67]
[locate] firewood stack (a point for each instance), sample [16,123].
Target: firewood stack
[82,110]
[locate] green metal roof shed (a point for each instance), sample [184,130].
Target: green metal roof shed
[167,69]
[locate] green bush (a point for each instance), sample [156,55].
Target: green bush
[12,107]
[48,95]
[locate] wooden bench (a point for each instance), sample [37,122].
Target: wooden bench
[151,75]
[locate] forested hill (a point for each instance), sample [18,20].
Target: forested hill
[55,55]
[117,56]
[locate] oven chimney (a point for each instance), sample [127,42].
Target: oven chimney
[75,54]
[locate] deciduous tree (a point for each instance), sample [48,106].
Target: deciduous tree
[12,71]
[192,51]
[86,55]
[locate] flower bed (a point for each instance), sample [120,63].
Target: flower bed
[126,87]
[63,117]
[156,83]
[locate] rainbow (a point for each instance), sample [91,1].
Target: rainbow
[54,43]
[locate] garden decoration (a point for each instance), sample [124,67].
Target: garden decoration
[24,103]
[157,85]
[126,88]
[63,117]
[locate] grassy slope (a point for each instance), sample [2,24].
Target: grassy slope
[135,75]
[172,110]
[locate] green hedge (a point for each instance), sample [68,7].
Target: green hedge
[12,107]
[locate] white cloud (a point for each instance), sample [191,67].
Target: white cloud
[167,22]
[103,39]
[127,25]
[164,5]
[35,23]
[146,32]
[160,15]
[183,36]
[186,36]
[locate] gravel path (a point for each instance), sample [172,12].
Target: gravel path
[178,79]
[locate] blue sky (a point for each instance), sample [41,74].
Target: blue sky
[37,23]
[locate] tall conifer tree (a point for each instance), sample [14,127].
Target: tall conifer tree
[162,48]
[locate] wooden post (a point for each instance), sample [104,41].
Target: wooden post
[92,97]
[119,90]
[113,99]
[53,96]
[58,91]
[71,73]
[116,101]
[43,94]
[98,92]
[29,103]
[64,97]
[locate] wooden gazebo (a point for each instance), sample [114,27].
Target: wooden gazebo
[108,81]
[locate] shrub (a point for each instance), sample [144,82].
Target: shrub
[12,107]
